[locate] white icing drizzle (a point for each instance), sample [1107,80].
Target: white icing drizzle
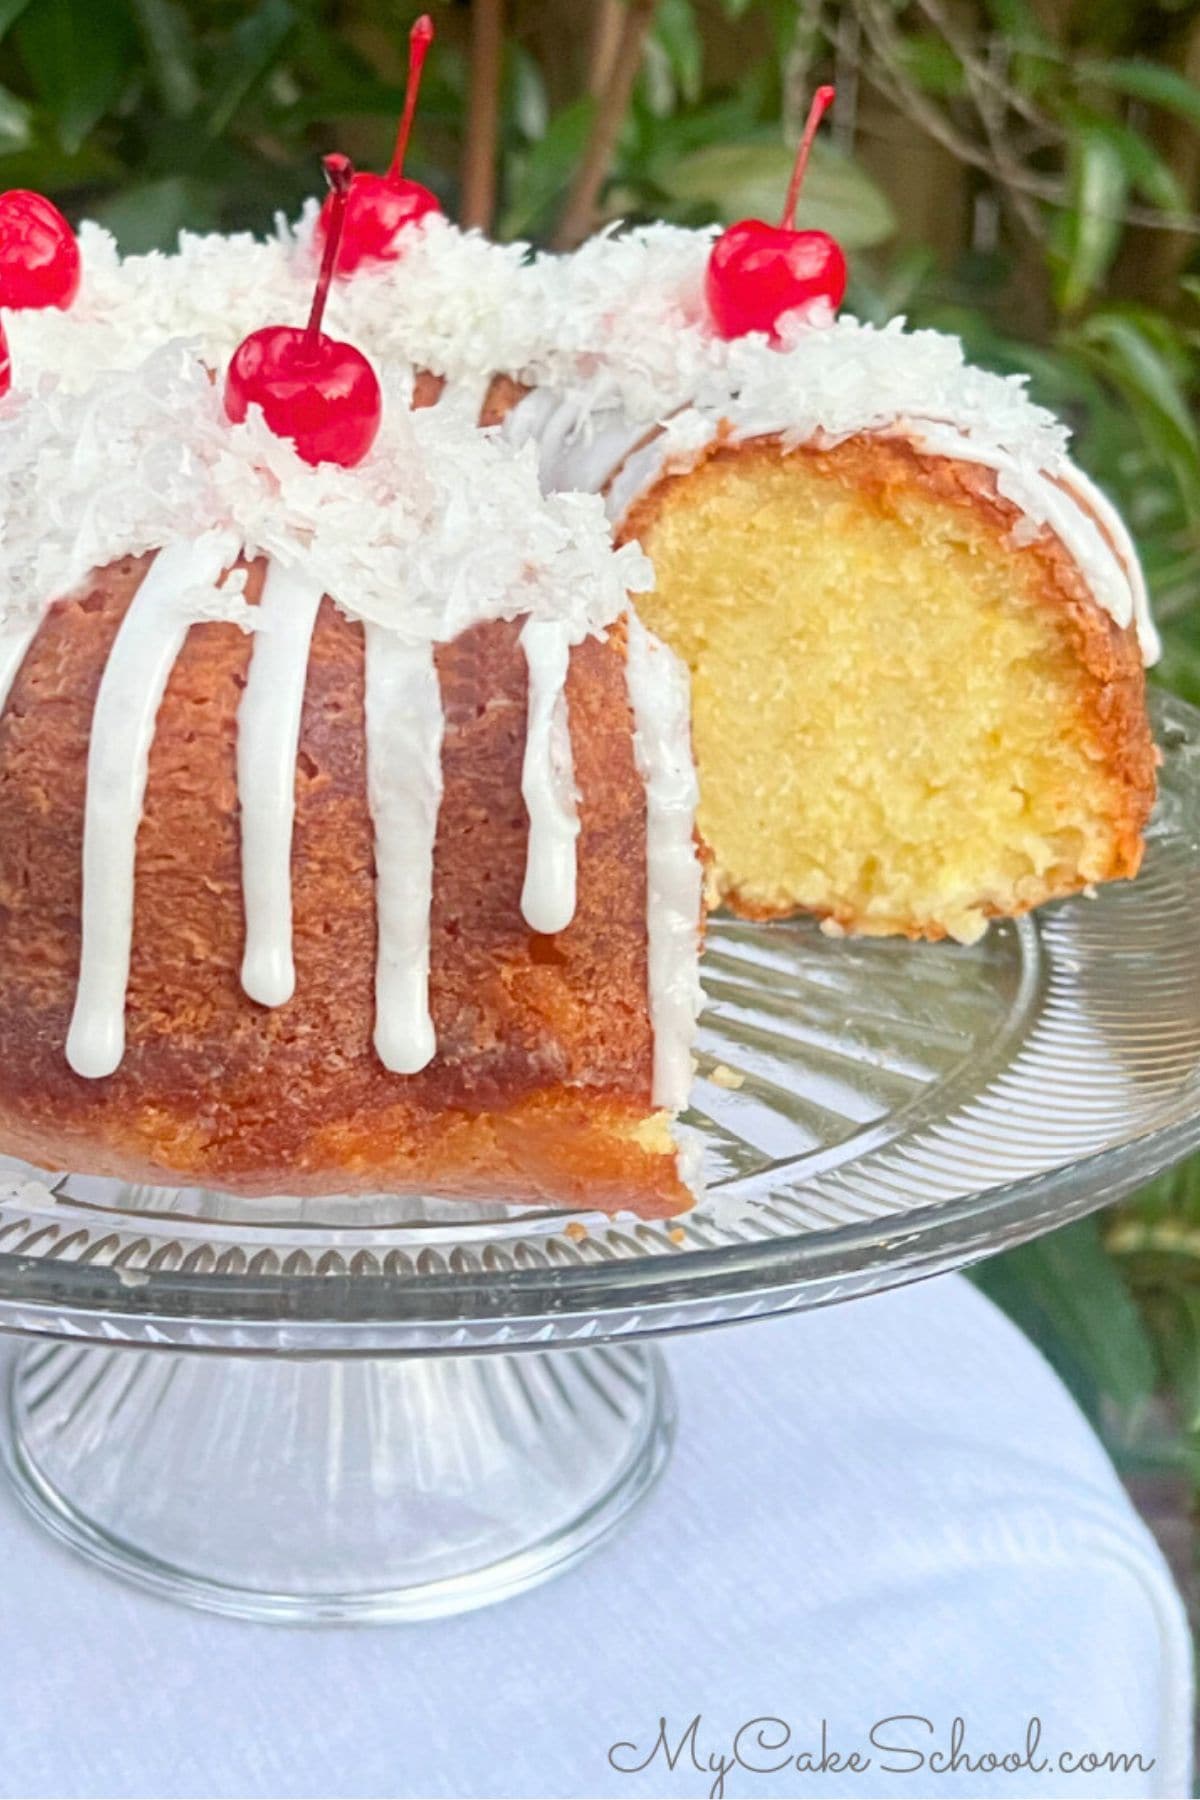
[150,638]
[1113,526]
[404,728]
[638,473]
[659,697]
[548,781]
[576,450]
[268,738]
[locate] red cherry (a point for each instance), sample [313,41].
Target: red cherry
[381,206]
[322,394]
[757,273]
[39,258]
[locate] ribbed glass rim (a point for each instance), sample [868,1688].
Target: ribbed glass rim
[998,1218]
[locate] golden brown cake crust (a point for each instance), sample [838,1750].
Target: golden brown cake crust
[1112,675]
[542,1078]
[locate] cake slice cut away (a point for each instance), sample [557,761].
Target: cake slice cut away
[910,715]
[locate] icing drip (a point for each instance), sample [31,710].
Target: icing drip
[548,781]
[576,451]
[659,697]
[404,727]
[1114,529]
[151,636]
[268,738]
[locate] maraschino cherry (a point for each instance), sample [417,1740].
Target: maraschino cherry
[39,258]
[322,394]
[382,205]
[757,273]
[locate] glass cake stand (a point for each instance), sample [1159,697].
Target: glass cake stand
[395,1410]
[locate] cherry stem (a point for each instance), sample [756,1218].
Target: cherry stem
[419,40]
[822,100]
[339,173]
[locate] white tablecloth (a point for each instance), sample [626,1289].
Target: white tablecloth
[888,1508]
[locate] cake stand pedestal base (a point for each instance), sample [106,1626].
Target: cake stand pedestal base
[349,1490]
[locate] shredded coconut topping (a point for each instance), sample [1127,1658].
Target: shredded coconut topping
[848,377]
[437,529]
[618,331]
[621,322]
[624,314]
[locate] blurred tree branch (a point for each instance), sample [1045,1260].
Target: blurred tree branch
[580,211]
[606,38]
[483,116]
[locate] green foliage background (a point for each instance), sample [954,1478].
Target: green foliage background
[1022,172]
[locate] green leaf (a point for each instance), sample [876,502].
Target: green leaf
[1179,671]
[880,298]
[1123,351]
[677,34]
[1173,1197]
[78,57]
[1179,1332]
[662,143]
[10,12]
[543,172]
[43,164]
[1153,82]
[932,64]
[1089,228]
[252,47]
[1147,171]
[1035,56]
[525,87]
[739,181]
[1138,361]
[16,123]
[1019,24]
[151,214]
[1067,1294]
[168,43]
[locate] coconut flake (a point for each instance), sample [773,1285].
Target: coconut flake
[437,529]
[618,331]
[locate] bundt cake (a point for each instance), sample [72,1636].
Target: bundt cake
[916,631]
[346,840]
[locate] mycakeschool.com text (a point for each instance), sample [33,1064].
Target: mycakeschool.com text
[898,1744]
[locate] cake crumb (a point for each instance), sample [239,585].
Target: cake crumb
[725,1077]
[677,1234]
[830,928]
[575,1231]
